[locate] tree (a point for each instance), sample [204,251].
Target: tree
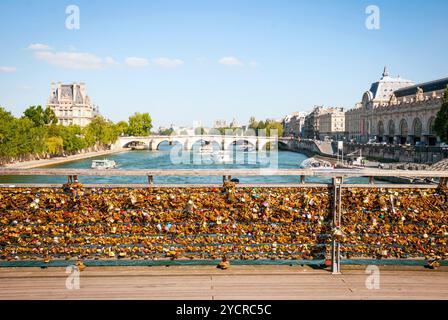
[271,125]
[199,131]
[441,121]
[121,128]
[166,132]
[100,130]
[54,145]
[7,124]
[253,123]
[140,124]
[73,138]
[39,116]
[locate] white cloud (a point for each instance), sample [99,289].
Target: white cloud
[7,69]
[110,61]
[39,46]
[136,62]
[168,63]
[70,60]
[230,61]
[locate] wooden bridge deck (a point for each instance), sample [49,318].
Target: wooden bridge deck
[238,282]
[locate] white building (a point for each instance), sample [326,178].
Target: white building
[332,124]
[293,124]
[397,112]
[71,104]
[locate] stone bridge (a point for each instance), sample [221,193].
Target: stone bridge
[224,142]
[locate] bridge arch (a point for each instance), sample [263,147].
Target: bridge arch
[195,144]
[156,143]
[132,143]
[251,142]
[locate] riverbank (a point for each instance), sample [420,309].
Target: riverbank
[58,160]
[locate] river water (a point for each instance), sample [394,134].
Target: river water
[164,159]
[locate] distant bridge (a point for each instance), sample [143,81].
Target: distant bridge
[224,142]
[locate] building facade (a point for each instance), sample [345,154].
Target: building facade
[71,104]
[220,124]
[332,124]
[325,122]
[404,115]
[311,124]
[294,125]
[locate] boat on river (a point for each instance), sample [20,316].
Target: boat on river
[103,164]
[313,163]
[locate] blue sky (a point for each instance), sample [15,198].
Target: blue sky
[184,61]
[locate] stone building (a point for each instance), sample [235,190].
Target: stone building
[359,119]
[71,104]
[332,119]
[311,124]
[353,123]
[404,115]
[294,124]
[220,123]
[332,124]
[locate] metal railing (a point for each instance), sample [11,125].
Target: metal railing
[337,176]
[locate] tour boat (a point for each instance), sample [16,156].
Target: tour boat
[103,164]
[313,163]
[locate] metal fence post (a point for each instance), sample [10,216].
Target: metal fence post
[335,245]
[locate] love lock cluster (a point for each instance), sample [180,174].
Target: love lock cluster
[210,222]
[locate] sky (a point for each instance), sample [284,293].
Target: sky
[193,60]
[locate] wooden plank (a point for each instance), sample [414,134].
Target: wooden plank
[207,282]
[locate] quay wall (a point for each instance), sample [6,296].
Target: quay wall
[413,154]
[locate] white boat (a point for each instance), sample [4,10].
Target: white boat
[103,164]
[313,163]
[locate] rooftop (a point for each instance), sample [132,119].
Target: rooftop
[430,86]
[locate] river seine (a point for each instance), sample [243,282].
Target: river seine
[162,159]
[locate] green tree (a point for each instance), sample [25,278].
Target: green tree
[73,138]
[140,124]
[253,123]
[272,125]
[100,130]
[166,132]
[121,128]
[54,145]
[441,121]
[39,116]
[199,131]
[7,134]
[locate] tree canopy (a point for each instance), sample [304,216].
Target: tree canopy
[37,133]
[140,124]
[441,121]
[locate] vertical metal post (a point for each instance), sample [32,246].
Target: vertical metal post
[337,206]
